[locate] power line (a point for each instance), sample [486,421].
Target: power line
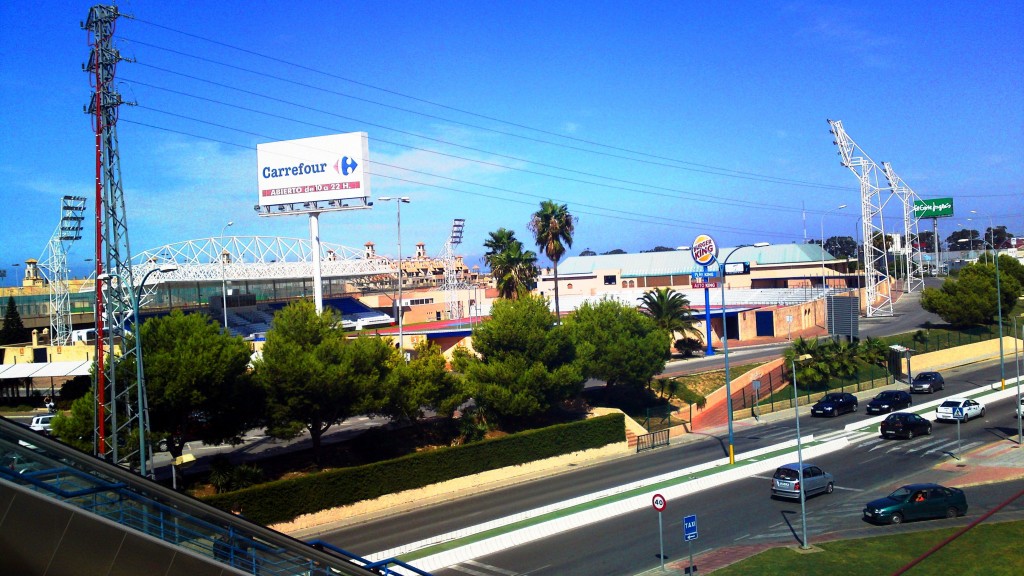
[676,163]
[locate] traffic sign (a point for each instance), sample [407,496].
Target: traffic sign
[958,413]
[690,528]
[705,285]
[704,274]
[659,502]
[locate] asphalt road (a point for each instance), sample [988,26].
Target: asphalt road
[610,548]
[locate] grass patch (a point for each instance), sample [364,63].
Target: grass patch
[705,383]
[991,549]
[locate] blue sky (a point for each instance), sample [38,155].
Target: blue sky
[653,122]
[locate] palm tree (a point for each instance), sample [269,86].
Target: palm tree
[671,311]
[553,227]
[514,269]
[497,242]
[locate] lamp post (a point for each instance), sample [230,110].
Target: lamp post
[399,200]
[140,382]
[1020,408]
[224,275]
[725,343]
[824,287]
[800,456]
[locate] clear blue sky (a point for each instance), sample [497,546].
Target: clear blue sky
[654,122]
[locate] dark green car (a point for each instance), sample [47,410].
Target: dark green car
[917,501]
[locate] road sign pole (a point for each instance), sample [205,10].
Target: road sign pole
[661,542]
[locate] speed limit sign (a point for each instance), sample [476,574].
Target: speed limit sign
[659,502]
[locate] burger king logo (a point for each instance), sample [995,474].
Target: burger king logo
[704,250]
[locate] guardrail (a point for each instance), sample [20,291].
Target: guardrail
[652,440]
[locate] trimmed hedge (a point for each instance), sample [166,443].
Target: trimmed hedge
[284,500]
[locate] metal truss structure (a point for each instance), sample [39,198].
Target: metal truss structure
[452,282]
[121,427]
[876,265]
[253,258]
[913,267]
[54,267]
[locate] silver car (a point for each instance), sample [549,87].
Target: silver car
[786,481]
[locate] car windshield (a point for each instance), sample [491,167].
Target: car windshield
[886,396]
[899,417]
[900,494]
[832,397]
[925,377]
[951,404]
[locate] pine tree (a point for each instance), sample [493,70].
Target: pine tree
[13,330]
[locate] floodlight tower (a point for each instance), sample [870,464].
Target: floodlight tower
[913,268]
[54,267]
[452,283]
[118,403]
[876,266]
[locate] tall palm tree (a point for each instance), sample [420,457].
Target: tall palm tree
[497,242]
[514,269]
[553,227]
[671,311]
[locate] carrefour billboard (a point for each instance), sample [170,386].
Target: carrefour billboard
[320,169]
[934,208]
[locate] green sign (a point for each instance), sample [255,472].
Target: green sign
[934,208]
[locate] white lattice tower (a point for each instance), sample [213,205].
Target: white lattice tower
[452,283]
[913,267]
[876,266]
[54,267]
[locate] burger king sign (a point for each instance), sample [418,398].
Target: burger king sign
[704,250]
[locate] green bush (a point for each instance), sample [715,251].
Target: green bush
[283,500]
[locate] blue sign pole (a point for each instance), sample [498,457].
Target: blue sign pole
[707,318]
[690,534]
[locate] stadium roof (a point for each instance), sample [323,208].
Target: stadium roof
[681,262]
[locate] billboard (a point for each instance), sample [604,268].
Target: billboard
[934,208]
[321,171]
[704,250]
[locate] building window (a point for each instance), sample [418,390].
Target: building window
[609,280]
[632,284]
[569,286]
[624,285]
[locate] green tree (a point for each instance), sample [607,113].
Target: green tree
[523,366]
[841,246]
[13,330]
[671,312]
[75,427]
[873,351]
[197,381]
[422,383]
[974,241]
[618,344]
[314,378]
[514,270]
[971,297]
[553,227]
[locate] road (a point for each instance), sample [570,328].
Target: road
[876,472]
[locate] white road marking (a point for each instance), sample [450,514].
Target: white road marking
[489,567]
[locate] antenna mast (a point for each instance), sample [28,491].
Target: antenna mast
[912,268]
[55,267]
[121,427]
[452,282]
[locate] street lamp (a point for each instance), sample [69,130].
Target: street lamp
[399,200]
[140,382]
[224,275]
[725,343]
[824,287]
[800,455]
[1020,407]
[999,311]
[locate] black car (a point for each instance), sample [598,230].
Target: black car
[834,404]
[927,382]
[905,424]
[890,401]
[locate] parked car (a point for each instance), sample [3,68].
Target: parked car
[834,404]
[905,424]
[916,501]
[970,409]
[890,401]
[929,382]
[786,481]
[42,424]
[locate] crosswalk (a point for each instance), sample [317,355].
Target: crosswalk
[921,446]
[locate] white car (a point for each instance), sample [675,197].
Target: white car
[1020,407]
[42,423]
[967,407]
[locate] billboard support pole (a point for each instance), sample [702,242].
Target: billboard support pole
[314,241]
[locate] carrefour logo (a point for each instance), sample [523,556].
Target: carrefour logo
[704,250]
[343,166]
